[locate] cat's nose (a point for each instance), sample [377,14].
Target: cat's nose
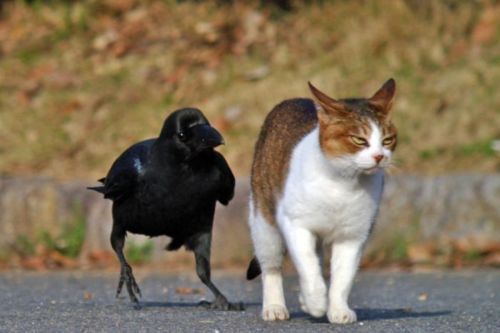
[378,158]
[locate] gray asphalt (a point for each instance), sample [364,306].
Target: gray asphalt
[384,301]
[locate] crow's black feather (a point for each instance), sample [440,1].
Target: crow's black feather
[169,186]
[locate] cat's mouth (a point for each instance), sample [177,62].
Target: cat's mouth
[372,170]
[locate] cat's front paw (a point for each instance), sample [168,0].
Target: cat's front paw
[314,302]
[274,312]
[341,315]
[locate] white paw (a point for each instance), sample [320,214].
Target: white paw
[342,315]
[314,302]
[275,312]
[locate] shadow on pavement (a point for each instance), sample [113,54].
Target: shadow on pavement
[169,305]
[380,314]
[376,314]
[184,305]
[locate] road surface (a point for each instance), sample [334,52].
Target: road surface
[384,301]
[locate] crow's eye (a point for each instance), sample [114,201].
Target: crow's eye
[181,136]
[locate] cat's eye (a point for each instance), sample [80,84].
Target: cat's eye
[181,136]
[359,141]
[388,141]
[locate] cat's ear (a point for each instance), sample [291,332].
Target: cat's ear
[384,97]
[329,105]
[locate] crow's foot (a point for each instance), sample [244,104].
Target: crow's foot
[223,305]
[127,277]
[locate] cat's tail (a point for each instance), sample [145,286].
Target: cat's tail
[253,269]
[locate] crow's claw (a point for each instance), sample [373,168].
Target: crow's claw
[127,278]
[223,305]
[120,284]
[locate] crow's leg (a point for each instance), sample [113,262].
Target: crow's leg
[126,276]
[201,248]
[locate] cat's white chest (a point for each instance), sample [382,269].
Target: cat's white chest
[328,204]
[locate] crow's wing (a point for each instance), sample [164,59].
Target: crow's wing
[123,177]
[226,180]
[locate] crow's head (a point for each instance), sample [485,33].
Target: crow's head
[190,132]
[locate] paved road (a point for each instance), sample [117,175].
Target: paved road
[385,302]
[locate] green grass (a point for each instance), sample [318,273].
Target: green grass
[399,249]
[119,77]
[139,253]
[430,153]
[167,100]
[28,57]
[473,255]
[481,148]
[398,242]
[69,242]
[24,246]
[73,237]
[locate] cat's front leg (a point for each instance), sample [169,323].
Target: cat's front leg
[344,264]
[302,248]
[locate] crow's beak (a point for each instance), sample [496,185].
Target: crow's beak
[209,137]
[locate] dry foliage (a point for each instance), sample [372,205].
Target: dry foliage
[81,81]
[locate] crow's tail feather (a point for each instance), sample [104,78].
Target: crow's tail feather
[100,189]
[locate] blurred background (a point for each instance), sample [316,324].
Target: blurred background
[80,81]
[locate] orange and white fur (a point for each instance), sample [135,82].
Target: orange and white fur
[317,181]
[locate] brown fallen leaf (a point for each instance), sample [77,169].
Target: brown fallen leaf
[101,257]
[188,291]
[476,243]
[484,30]
[87,295]
[422,297]
[28,92]
[33,263]
[222,124]
[59,260]
[421,253]
[492,259]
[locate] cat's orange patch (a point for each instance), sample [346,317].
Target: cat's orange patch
[389,130]
[339,120]
[335,136]
[283,128]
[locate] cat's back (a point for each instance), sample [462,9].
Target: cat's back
[283,129]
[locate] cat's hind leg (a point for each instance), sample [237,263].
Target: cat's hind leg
[269,250]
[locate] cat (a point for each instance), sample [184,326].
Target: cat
[317,179]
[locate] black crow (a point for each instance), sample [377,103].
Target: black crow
[169,186]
